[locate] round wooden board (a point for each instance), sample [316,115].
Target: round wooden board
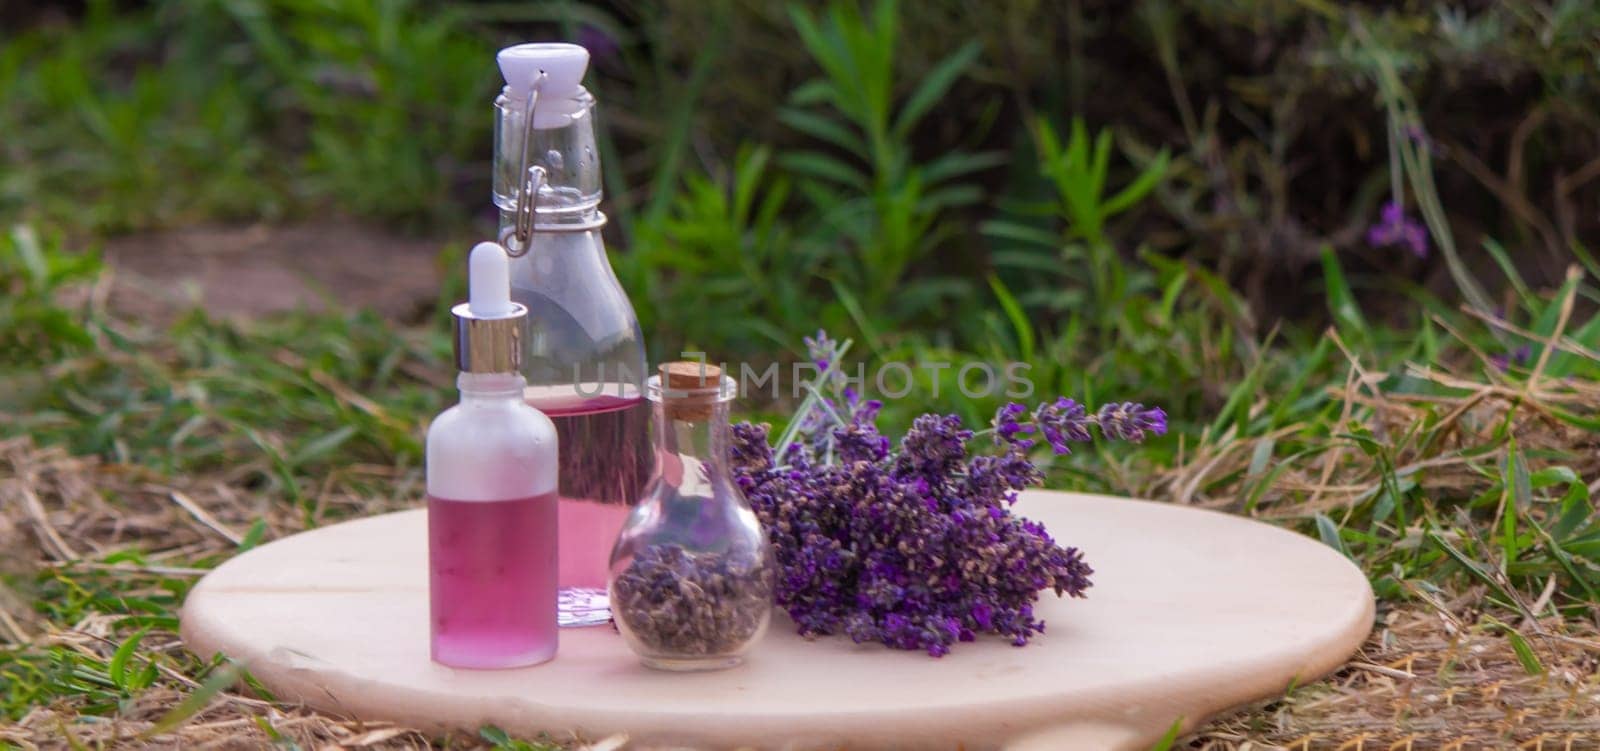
[1192,612]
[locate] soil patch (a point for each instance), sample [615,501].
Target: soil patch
[246,272]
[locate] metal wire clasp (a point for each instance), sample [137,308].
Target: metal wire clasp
[518,237]
[531,175]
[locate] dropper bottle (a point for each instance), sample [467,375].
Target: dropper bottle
[491,476]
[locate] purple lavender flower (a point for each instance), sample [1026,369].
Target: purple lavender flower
[820,349]
[932,448]
[1000,477]
[840,403]
[1007,428]
[1129,421]
[860,441]
[915,546]
[914,551]
[1395,228]
[1063,422]
[750,450]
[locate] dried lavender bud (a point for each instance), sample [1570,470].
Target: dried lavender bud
[1063,423]
[1130,422]
[677,604]
[1008,428]
[821,349]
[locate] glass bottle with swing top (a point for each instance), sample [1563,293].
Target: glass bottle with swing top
[585,360]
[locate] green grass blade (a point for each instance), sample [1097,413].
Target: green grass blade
[216,683]
[1170,737]
[1328,531]
[1341,301]
[117,669]
[933,87]
[1020,324]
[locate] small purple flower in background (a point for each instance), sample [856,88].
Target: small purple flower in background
[601,45]
[1129,421]
[1395,228]
[1519,356]
[1417,135]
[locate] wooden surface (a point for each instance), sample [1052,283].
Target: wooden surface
[1192,612]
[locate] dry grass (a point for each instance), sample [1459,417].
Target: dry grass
[1448,436]
[1435,679]
[65,513]
[1442,669]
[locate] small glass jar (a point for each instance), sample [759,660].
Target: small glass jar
[691,581]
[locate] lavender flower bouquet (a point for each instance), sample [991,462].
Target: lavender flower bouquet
[915,548]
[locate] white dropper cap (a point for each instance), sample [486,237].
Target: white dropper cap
[489,281]
[563,66]
[489,325]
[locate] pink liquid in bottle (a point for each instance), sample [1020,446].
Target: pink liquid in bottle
[606,461]
[490,590]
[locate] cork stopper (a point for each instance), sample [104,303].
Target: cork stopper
[690,390]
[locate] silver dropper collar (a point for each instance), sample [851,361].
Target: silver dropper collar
[486,344]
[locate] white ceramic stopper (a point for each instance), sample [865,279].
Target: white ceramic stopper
[562,64]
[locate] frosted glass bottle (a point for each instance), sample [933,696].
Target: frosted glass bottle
[585,361]
[491,477]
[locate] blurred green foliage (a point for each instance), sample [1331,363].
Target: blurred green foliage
[921,181]
[776,167]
